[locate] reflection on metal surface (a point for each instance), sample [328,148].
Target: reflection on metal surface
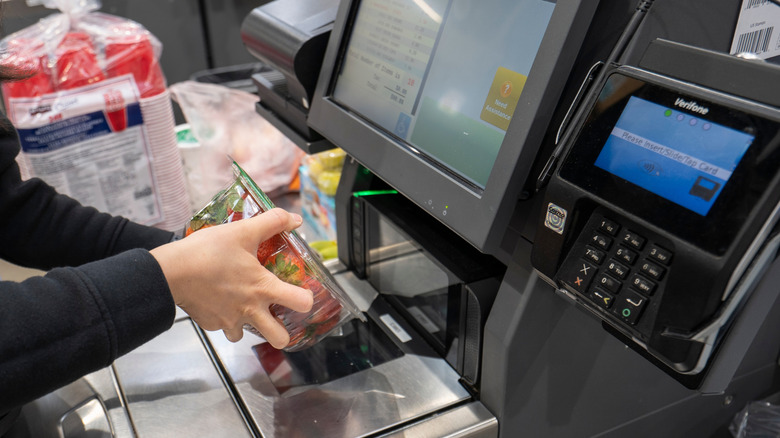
[387,393]
[408,274]
[90,404]
[358,347]
[401,390]
[173,389]
[361,292]
[89,419]
[469,421]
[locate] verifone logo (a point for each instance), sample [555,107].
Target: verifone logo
[691,105]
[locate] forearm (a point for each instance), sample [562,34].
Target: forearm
[42,229]
[73,321]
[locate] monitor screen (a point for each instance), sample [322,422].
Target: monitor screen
[676,155]
[448,101]
[442,75]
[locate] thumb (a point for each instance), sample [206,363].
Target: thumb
[263,226]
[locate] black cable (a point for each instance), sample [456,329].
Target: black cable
[615,54]
[204,23]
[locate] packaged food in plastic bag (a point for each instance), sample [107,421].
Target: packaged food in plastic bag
[94,115]
[288,257]
[79,47]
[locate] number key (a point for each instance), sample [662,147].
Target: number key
[652,270]
[626,255]
[594,255]
[661,255]
[608,283]
[617,269]
[609,227]
[601,241]
[642,284]
[633,239]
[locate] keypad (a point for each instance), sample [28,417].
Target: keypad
[616,267]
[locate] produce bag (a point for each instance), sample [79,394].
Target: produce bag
[288,257]
[94,115]
[224,122]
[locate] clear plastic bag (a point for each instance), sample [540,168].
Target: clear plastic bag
[78,47]
[288,257]
[757,419]
[224,122]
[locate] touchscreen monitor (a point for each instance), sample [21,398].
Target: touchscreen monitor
[677,155]
[449,101]
[443,75]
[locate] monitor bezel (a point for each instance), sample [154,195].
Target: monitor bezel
[478,216]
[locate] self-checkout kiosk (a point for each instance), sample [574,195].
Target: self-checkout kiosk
[559,218]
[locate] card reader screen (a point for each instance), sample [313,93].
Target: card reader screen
[681,157]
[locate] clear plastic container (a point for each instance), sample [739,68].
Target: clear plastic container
[288,257]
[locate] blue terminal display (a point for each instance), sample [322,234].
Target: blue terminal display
[678,156]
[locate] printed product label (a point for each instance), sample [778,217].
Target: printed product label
[394,327]
[756,30]
[91,144]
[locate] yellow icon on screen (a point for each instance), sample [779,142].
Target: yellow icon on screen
[506,89]
[502,97]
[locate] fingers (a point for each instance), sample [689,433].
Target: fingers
[268,327]
[291,296]
[260,317]
[234,334]
[271,328]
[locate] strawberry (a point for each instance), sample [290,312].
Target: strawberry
[234,216]
[195,227]
[326,317]
[287,266]
[325,311]
[270,247]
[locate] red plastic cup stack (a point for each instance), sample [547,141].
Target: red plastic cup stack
[77,63]
[26,56]
[131,52]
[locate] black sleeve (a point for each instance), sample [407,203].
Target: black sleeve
[56,328]
[40,228]
[108,296]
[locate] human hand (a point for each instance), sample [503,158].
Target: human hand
[215,277]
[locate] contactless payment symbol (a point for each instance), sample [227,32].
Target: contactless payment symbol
[555,218]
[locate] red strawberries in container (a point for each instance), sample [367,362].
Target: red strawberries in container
[287,257]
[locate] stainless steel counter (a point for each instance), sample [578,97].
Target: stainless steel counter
[315,399]
[168,387]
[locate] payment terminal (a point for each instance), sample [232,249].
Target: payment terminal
[663,206]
